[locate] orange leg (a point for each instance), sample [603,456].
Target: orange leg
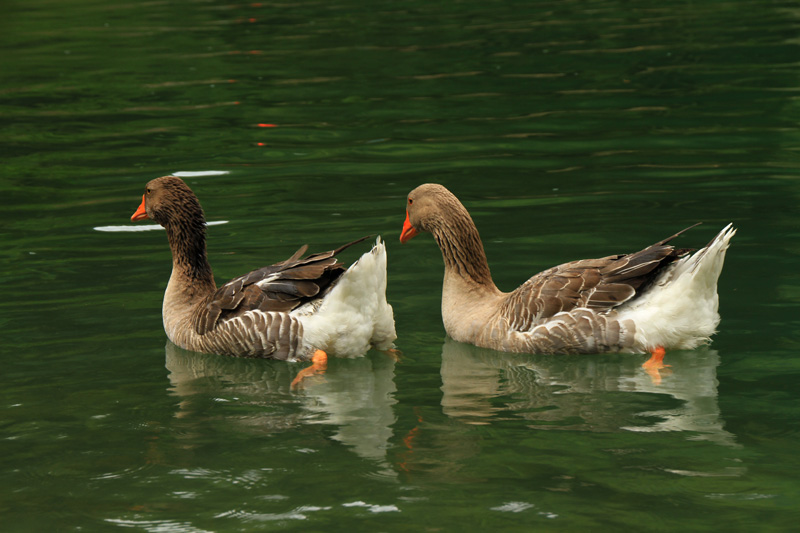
[394,353]
[407,456]
[656,363]
[319,363]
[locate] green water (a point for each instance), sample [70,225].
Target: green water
[569,129]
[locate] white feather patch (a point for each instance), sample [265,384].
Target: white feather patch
[680,309]
[354,315]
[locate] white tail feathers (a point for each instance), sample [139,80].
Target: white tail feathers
[354,315]
[680,309]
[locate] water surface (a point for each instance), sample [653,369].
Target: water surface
[568,129]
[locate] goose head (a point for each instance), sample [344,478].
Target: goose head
[430,207]
[167,200]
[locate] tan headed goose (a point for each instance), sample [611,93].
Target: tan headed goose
[655,299]
[297,309]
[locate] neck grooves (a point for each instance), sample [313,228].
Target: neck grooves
[187,240]
[462,249]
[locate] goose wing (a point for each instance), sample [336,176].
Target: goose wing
[276,288]
[597,284]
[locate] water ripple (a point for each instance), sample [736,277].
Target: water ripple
[145,227]
[158,526]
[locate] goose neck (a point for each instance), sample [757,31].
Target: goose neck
[463,253]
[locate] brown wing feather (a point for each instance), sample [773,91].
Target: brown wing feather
[279,288]
[598,284]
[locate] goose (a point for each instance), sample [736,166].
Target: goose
[657,299]
[299,309]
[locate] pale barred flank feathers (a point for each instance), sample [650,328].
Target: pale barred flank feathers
[581,331]
[256,334]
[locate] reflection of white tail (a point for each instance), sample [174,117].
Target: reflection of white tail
[355,399]
[583,393]
[680,310]
[354,315]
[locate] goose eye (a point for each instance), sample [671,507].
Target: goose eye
[410,201]
[147,190]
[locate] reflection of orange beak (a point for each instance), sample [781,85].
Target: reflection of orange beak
[409,231]
[140,213]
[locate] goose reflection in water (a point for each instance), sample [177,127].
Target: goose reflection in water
[356,395]
[589,393]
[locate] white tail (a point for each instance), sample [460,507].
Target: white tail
[354,315]
[680,309]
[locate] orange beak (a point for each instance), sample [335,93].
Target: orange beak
[409,231]
[140,213]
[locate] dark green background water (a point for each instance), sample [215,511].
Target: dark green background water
[569,129]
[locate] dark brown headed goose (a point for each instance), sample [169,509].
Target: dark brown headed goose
[293,310]
[655,299]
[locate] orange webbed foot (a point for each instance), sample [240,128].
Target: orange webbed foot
[655,364]
[394,353]
[319,363]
